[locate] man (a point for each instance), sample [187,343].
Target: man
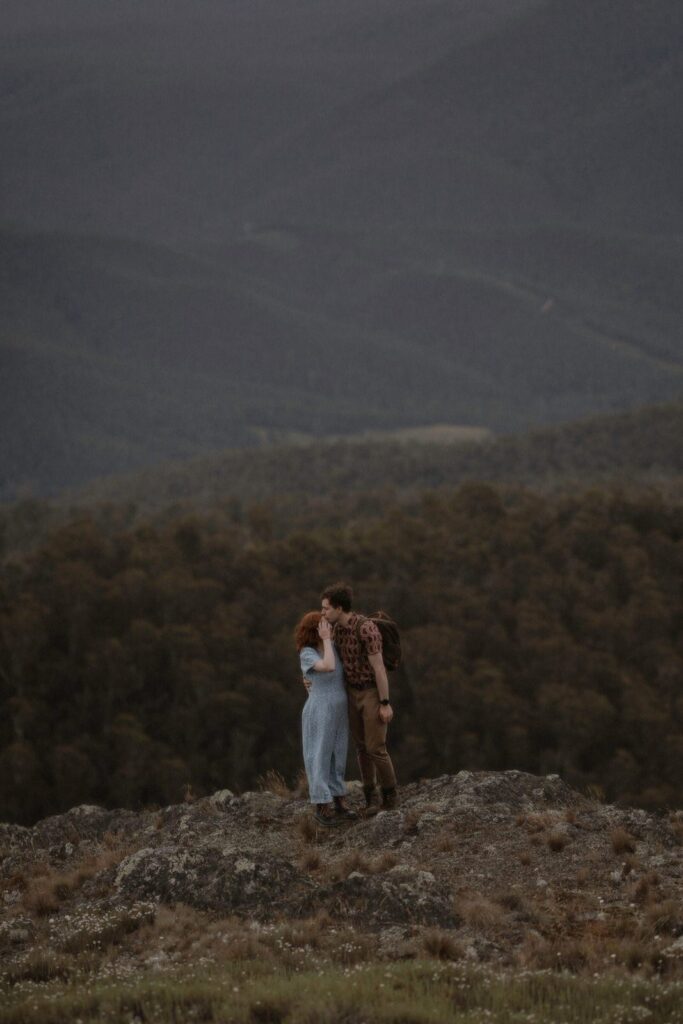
[359,644]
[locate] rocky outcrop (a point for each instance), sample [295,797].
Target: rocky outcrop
[491,858]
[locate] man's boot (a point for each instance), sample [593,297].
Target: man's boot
[389,799]
[371,800]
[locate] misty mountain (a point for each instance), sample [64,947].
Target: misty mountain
[168,120]
[231,221]
[119,355]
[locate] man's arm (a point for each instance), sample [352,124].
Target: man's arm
[385,712]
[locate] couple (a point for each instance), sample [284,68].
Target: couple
[341,661]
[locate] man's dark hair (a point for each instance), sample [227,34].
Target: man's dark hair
[340,595]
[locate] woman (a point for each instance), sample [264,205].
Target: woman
[324,721]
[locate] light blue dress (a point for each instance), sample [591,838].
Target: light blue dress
[325,728]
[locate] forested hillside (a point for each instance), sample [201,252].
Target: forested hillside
[541,633]
[635,450]
[645,446]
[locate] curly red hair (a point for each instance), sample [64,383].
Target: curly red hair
[306,633]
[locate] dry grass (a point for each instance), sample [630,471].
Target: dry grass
[533,822]
[45,889]
[111,931]
[272,782]
[306,827]
[442,945]
[513,901]
[478,911]
[444,843]
[183,932]
[630,865]
[40,898]
[311,860]
[307,933]
[17,882]
[187,935]
[644,890]
[356,861]
[606,945]
[411,820]
[622,841]
[665,918]
[557,841]
[385,862]
[40,967]
[300,788]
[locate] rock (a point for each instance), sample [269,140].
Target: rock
[16,932]
[405,895]
[222,798]
[210,878]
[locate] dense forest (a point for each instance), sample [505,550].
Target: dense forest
[541,632]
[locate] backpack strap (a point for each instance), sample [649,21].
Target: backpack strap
[359,626]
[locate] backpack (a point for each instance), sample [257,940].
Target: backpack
[391,638]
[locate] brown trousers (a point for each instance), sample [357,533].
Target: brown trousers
[370,738]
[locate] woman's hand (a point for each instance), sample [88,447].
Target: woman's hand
[324,630]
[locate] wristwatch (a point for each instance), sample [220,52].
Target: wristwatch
[385,702]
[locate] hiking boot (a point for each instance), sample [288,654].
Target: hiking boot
[343,810]
[389,799]
[324,815]
[371,800]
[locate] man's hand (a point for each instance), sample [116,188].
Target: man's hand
[307,684]
[385,713]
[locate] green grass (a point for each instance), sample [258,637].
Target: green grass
[409,993]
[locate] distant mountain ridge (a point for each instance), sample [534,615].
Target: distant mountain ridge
[330,218]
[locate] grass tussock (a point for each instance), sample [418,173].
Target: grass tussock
[593,953]
[622,842]
[478,911]
[355,861]
[411,820]
[533,823]
[40,967]
[307,828]
[311,860]
[665,918]
[442,945]
[645,889]
[44,890]
[273,782]
[557,841]
[444,844]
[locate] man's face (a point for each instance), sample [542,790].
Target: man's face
[330,613]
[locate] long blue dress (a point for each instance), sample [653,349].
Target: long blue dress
[325,728]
